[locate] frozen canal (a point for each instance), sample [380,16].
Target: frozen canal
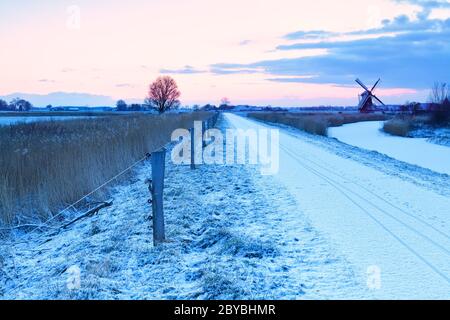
[417,151]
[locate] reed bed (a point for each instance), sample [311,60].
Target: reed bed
[315,123]
[398,127]
[44,166]
[406,125]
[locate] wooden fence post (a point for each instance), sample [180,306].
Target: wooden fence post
[214,118]
[204,128]
[157,187]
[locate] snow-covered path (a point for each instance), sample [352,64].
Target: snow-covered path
[379,222]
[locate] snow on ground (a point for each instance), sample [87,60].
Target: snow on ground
[384,215]
[10,120]
[232,234]
[333,216]
[417,151]
[439,136]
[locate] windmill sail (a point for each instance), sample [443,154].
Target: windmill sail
[366,102]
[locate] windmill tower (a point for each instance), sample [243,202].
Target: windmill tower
[366,98]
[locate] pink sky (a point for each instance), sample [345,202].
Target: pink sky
[117,48]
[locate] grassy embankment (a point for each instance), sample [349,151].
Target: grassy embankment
[404,125]
[45,166]
[315,123]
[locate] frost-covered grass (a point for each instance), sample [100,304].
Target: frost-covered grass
[47,165]
[315,123]
[424,126]
[230,235]
[397,127]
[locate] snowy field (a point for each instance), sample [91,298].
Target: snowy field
[417,151]
[15,120]
[336,222]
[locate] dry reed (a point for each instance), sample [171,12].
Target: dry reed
[315,123]
[45,166]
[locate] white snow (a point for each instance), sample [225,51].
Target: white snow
[28,119]
[378,221]
[232,234]
[417,151]
[331,215]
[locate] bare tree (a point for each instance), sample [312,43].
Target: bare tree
[440,95]
[225,101]
[20,105]
[121,105]
[439,92]
[163,94]
[3,105]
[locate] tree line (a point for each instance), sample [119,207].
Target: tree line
[438,106]
[440,93]
[440,99]
[163,95]
[15,105]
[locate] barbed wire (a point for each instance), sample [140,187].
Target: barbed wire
[44,224]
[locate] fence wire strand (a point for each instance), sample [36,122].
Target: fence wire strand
[45,223]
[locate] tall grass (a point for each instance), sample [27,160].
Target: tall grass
[397,127]
[404,125]
[315,123]
[47,165]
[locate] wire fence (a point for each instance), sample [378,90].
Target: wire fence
[210,122]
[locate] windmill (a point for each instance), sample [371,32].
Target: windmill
[365,99]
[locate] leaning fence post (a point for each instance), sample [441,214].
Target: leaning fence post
[157,186]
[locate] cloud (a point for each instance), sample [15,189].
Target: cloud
[245,42]
[185,70]
[292,79]
[124,85]
[66,70]
[427,4]
[318,34]
[231,68]
[46,81]
[402,52]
